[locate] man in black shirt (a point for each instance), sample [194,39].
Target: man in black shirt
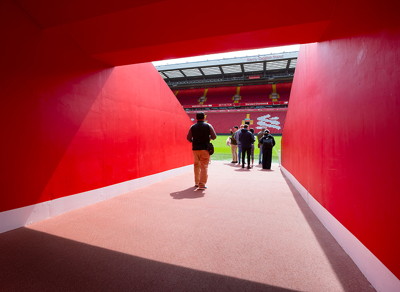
[199,135]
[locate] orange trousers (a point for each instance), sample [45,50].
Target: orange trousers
[201,161]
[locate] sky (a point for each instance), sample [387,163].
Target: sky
[256,52]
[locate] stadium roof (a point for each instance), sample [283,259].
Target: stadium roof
[249,70]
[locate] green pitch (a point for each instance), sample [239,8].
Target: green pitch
[223,152]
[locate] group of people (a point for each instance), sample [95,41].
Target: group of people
[242,142]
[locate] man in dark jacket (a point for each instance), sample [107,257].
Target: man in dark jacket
[199,135]
[246,139]
[268,142]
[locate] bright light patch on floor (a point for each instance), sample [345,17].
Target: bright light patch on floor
[292,48]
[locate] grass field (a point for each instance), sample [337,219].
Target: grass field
[223,152]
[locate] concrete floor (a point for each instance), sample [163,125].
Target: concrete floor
[249,231]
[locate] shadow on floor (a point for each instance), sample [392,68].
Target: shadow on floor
[189,193]
[243,169]
[345,269]
[36,261]
[232,164]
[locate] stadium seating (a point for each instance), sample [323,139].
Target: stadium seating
[220,95]
[189,96]
[224,120]
[224,95]
[256,93]
[284,91]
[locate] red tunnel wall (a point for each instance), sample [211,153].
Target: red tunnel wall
[71,125]
[341,137]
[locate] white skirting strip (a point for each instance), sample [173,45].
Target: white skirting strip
[373,269]
[16,218]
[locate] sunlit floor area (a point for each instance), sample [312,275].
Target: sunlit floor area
[249,231]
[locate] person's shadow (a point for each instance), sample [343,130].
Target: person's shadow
[232,164]
[242,169]
[189,193]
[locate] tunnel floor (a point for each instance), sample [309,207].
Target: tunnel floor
[249,231]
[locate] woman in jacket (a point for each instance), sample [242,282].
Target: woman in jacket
[267,142]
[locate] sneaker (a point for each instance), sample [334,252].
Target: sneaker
[248,166]
[202,188]
[196,186]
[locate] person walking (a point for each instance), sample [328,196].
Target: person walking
[246,138]
[199,135]
[268,142]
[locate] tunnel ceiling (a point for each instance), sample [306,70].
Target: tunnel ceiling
[121,32]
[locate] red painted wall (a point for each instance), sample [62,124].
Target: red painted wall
[123,32]
[70,124]
[341,137]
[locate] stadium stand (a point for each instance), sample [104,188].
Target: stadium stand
[226,95]
[220,95]
[284,91]
[189,96]
[256,93]
[223,120]
[257,104]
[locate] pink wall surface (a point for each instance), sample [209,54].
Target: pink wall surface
[341,138]
[70,124]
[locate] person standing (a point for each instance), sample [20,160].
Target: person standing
[252,149]
[199,135]
[268,142]
[234,145]
[246,139]
[238,143]
[259,136]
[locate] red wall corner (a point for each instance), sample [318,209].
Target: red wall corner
[341,138]
[71,124]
